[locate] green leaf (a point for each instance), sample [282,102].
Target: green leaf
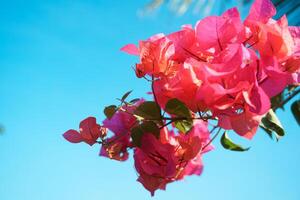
[228,144]
[138,131]
[296,110]
[1,129]
[271,123]
[136,135]
[109,111]
[179,109]
[125,95]
[148,110]
[183,126]
[176,107]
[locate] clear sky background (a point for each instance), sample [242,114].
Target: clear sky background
[59,63]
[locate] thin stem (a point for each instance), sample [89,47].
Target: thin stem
[213,129]
[166,118]
[166,124]
[154,95]
[124,110]
[213,138]
[194,55]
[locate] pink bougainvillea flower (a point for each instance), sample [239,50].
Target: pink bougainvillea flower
[218,31]
[172,157]
[155,162]
[160,55]
[261,10]
[245,123]
[194,142]
[155,54]
[182,85]
[130,49]
[89,132]
[273,80]
[191,148]
[268,36]
[272,39]
[278,45]
[120,125]
[223,69]
[115,148]
[228,78]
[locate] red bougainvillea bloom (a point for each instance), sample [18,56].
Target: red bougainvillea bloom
[218,31]
[222,70]
[190,149]
[170,158]
[183,85]
[89,132]
[161,55]
[155,54]
[278,45]
[155,162]
[225,66]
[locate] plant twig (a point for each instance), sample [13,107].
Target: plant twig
[212,139]
[286,100]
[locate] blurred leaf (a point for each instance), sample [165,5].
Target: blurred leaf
[296,110]
[148,110]
[137,132]
[271,123]
[228,144]
[183,7]
[1,129]
[179,109]
[109,111]
[154,4]
[180,7]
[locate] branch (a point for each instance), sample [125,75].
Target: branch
[286,100]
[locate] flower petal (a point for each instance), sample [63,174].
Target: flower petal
[72,136]
[130,49]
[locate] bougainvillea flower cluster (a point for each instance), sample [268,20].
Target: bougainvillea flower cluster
[219,75]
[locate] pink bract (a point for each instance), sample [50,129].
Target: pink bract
[89,132]
[172,157]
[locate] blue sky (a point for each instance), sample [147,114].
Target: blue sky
[59,63]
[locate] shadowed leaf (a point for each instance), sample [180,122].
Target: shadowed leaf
[109,111]
[137,132]
[271,123]
[296,110]
[176,107]
[179,109]
[148,110]
[1,129]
